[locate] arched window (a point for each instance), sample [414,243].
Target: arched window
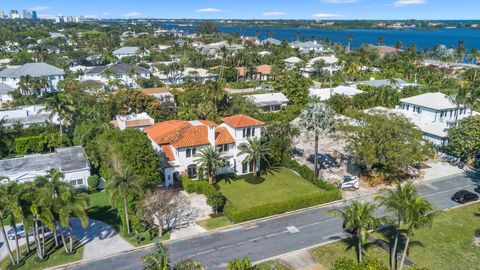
[192,171]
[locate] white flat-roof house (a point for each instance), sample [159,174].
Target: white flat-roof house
[331,65]
[195,74]
[308,46]
[270,102]
[11,75]
[432,113]
[292,61]
[327,93]
[135,120]
[28,115]
[178,142]
[126,52]
[72,161]
[120,72]
[398,83]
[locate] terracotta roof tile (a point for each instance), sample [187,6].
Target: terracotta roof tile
[138,123]
[222,136]
[264,69]
[240,121]
[167,150]
[156,90]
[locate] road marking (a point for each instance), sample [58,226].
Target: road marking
[292,229]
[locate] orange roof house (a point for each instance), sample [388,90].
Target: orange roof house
[241,121]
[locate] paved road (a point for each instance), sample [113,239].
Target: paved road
[265,239]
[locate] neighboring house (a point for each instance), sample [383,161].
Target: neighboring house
[120,72]
[307,46]
[271,102]
[5,91]
[52,49]
[399,83]
[432,113]
[194,74]
[163,94]
[11,75]
[135,120]
[261,73]
[383,50]
[253,39]
[292,62]
[27,116]
[214,50]
[272,41]
[264,53]
[178,142]
[126,52]
[331,65]
[327,93]
[71,161]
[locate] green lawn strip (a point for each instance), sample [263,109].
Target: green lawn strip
[214,223]
[326,255]
[280,185]
[272,265]
[449,243]
[144,238]
[55,257]
[100,209]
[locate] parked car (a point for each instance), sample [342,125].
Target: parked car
[350,182]
[324,160]
[20,232]
[464,196]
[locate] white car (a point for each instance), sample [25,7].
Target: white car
[350,182]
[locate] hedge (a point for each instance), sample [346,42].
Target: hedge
[32,144]
[214,197]
[308,174]
[265,210]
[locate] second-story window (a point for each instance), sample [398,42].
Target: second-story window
[189,152]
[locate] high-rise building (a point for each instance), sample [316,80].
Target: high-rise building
[14,14]
[2,15]
[24,14]
[34,15]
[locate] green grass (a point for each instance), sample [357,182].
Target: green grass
[279,185]
[272,265]
[100,209]
[449,243]
[144,238]
[55,257]
[328,254]
[214,223]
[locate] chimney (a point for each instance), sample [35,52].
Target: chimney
[211,135]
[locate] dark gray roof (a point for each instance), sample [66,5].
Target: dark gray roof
[119,69]
[5,89]
[32,69]
[64,159]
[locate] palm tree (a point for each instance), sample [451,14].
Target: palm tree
[189,264]
[349,39]
[158,259]
[243,264]
[210,160]
[319,65]
[25,195]
[381,41]
[459,98]
[223,51]
[255,150]
[359,217]
[4,212]
[13,191]
[474,55]
[419,215]
[398,45]
[119,187]
[396,203]
[131,74]
[315,118]
[72,204]
[61,105]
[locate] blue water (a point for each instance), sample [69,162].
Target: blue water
[422,39]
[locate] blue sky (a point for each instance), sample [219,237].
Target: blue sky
[258,9]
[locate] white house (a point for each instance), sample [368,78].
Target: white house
[126,52]
[307,46]
[432,113]
[331,65]
[120,72]
[327,93]
[135,120]
[11,75]
[72,161]
[397,83]
[195,74]
[5,91]
[163,94]
[273,41]
[293,61]
[34,114]
[179,141]
[270,102]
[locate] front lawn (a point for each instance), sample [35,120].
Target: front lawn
[279,185]
[214,223]
[100,209]
[55,256]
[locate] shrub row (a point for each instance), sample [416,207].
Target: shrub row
[308,174]
[214,197]
[240,215]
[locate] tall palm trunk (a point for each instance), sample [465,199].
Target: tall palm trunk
[359,250]
[254,165]
[55,235]
[37,239]
[404,256]
[125,207]
[71,241]
[4,235]
[43,241]
[63,240]
[316,154]
[17,251]
[27,236]
[393,259]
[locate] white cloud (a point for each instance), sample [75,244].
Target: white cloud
[105,13]
[273,13]
[402,3]
[340,1]
[326,15]
[39,8]
[209,10]
[132,14]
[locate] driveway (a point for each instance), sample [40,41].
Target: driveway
[99,239]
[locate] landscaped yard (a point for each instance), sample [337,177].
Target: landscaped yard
[275,186]
[327,254]
[55,257]
[214,223]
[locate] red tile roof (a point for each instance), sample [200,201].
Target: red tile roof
[222,136]
[262,69]
[138,123]
[156,90]
[385,49]
[240,121]
[167,150]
